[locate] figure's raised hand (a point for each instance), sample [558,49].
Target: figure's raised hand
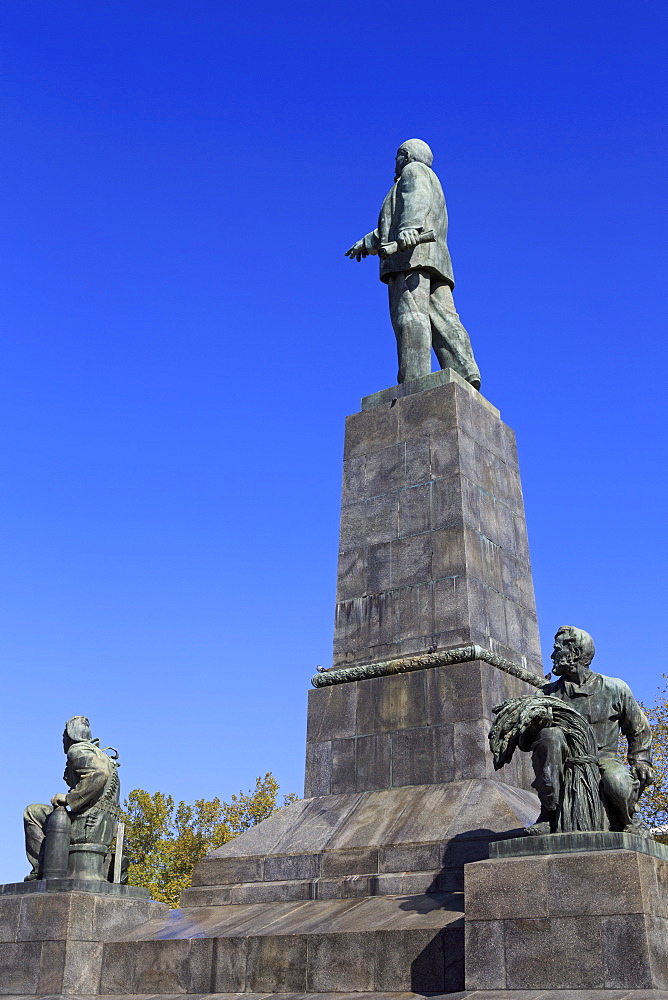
[357,251]
[59,799]
[408,238]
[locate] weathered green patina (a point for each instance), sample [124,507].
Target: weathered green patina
[93,810]
[457,654]
[572,731]
[411,241]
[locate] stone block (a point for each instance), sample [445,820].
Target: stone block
[385,470]
[10,907]
[318,773]
[52,968]
[472,758]
[451,610]
[373,762]
[447,502]
[448,553]
[412,559]
[360,861]
[229,974]
[370,431]
[559,954]
[276,964]
[430,413]
[340,962]
[485,560]
[415,510]
[423,756]
[159,967]
[417,460]
[344,770]
[378,568]
[352,573]
[118,974]
[416,612]
[351,887]
[225,871]
[259,892]
[518,889]
[353,485]
[453,953]
[485,955]
[409,857]
[657,944]
[388,885]
[570,877]
[45,916]
[626,956]
[454,693]
[410,961]
[20,964]
[83,962]
[385,704]
[297,866]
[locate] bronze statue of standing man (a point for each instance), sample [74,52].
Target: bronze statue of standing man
[411,241]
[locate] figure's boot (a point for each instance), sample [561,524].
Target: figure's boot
[545,823]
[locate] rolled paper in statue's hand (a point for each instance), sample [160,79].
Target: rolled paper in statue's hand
[387,249]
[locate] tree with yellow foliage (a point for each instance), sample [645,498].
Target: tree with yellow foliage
[164,841]
[653,806]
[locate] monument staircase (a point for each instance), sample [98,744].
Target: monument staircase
[359,887]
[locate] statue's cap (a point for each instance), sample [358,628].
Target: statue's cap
[418,150]
[78,729]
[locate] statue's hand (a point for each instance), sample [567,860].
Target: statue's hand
[644,772]
[407,238]
[357,251]
[59,799]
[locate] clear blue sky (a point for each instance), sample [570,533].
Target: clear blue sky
[183,338]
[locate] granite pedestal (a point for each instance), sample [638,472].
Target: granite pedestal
[433,547]
[585,920]
[52,933]
[358,887]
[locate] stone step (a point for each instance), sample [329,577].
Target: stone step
[458,995]
[416,829]
[413,943]
[345,887]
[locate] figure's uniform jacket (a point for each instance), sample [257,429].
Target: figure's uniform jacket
[94,787]
[415,201]
[607,703]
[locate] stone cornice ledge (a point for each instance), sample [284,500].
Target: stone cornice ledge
[459,654]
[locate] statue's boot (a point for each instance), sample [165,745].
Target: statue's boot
[544,824]
[34,822]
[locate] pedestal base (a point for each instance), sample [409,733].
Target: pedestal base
[51,935]
[579,921]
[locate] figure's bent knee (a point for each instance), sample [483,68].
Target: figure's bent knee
[37,812]
[616,780]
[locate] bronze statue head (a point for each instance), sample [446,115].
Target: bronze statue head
[573,650]
[77,729]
